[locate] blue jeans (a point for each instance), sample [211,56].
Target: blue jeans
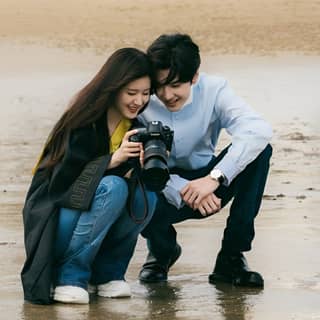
[98,244]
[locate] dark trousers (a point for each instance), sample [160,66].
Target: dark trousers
[246,190]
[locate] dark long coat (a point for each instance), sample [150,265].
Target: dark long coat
[71,184]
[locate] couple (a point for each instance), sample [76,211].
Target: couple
[78,228]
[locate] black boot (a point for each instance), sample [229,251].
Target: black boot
[234,269]
[153,271]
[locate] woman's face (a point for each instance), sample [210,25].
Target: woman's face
[133,97]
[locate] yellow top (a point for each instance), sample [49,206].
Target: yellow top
[115,139]
[118,134]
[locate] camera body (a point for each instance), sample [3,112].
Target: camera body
[157,141]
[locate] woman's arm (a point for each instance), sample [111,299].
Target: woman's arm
[75,179]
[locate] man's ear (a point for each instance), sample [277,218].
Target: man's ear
[195,77]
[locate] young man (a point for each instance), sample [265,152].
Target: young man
[197,107]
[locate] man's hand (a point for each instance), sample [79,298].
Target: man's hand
[196,190]
[209,205]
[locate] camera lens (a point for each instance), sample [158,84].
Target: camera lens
[155,174]
[155,171]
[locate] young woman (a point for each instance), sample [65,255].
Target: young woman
[78,229]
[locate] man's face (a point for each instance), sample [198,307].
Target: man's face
[174,94]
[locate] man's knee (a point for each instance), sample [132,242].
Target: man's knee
[262,160]
[267,152]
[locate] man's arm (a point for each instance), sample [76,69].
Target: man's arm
[250,134]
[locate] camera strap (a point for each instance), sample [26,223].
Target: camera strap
[135,182]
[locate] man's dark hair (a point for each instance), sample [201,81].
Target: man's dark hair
[176,52]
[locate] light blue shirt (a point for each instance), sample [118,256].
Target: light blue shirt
[211,107]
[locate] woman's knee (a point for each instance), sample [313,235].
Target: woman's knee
[113,184]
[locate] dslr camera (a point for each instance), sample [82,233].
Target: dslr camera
[157,141]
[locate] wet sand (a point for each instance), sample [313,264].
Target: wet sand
[41,70]
[287,236]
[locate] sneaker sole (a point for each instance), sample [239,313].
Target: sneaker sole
[67,299]
[114,295]
[114,289]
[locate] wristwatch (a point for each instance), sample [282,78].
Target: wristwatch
[217,175]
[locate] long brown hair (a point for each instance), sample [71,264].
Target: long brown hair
[92,101]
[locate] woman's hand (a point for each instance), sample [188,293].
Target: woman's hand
[126,150]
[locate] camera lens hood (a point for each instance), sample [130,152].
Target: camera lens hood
[155,174]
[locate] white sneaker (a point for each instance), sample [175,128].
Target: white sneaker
[114,289]
[71,294]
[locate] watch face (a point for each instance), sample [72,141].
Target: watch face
[217,175]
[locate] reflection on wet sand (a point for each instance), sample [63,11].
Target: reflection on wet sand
[55,312]
[153,301]
[162,299]
[236,303]
[182,298]
[150,301]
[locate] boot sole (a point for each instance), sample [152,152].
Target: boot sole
[252,280]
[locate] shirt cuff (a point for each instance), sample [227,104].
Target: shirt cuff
[172,190]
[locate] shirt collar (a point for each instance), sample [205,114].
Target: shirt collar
[190,99]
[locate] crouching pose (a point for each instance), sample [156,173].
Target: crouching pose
[197,106]
[83,211]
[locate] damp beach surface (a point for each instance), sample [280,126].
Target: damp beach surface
[40,71]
